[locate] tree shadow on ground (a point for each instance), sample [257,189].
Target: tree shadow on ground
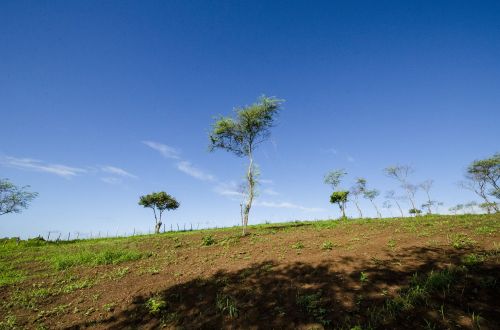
[333,294]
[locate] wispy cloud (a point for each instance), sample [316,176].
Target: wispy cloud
[163,149]
[117,171]
[231,190]
[266,181]
[270,192]
[287,205]
[350,159]
[332,151]
[40,166]
[112,180]
[186,167]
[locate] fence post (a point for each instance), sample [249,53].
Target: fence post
[69,234]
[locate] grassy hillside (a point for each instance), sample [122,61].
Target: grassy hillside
[428,272]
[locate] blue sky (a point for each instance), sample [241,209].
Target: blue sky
[102,102]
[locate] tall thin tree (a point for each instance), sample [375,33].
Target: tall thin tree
[242,135]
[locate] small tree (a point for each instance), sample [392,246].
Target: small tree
[242,135]
[158,201]
[387,205]
[426,186]
[415,212]
[340,198]
[356,191]
[482,178]
[488,207]
[371,195]
[334,178]
[471,205]
[401,173]
[14,199]
[391,195]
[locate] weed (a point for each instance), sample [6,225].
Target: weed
[229,241]
[476,319]
[9,322]
[120,273]
[153,270]
[473,259]
[312,303]
[391,244]
[461,241]
[177,242]
[226,305]
[327,245]
[208,240]
[109,307]
[363,277]
[298,246]
[86,283]
[156,305]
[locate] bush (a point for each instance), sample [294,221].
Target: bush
[208,240]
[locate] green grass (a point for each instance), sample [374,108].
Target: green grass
[9,275]
[106,257]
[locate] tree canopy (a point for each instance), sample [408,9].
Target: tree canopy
[14,199]
[158,201]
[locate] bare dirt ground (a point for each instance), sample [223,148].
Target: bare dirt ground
[433,272]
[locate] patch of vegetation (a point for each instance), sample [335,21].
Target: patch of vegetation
[208,240]
[106,257]
[298,246]
[226,305]
[109,307]
[155,305]
[8,323]
[461,241]
[313,305]
[473,259]
[327,245]
[10,275]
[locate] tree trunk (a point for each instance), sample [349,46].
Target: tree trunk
[400,210]
[342,208]
[248,205]
[376,209]
[359,209]
[157,227]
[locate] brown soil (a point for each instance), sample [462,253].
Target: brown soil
[274,283]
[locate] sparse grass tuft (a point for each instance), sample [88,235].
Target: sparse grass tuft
[327,245]
[226,305]
[313,305]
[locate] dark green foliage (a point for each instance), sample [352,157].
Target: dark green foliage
[415,211]
[340,198]
[13,199]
